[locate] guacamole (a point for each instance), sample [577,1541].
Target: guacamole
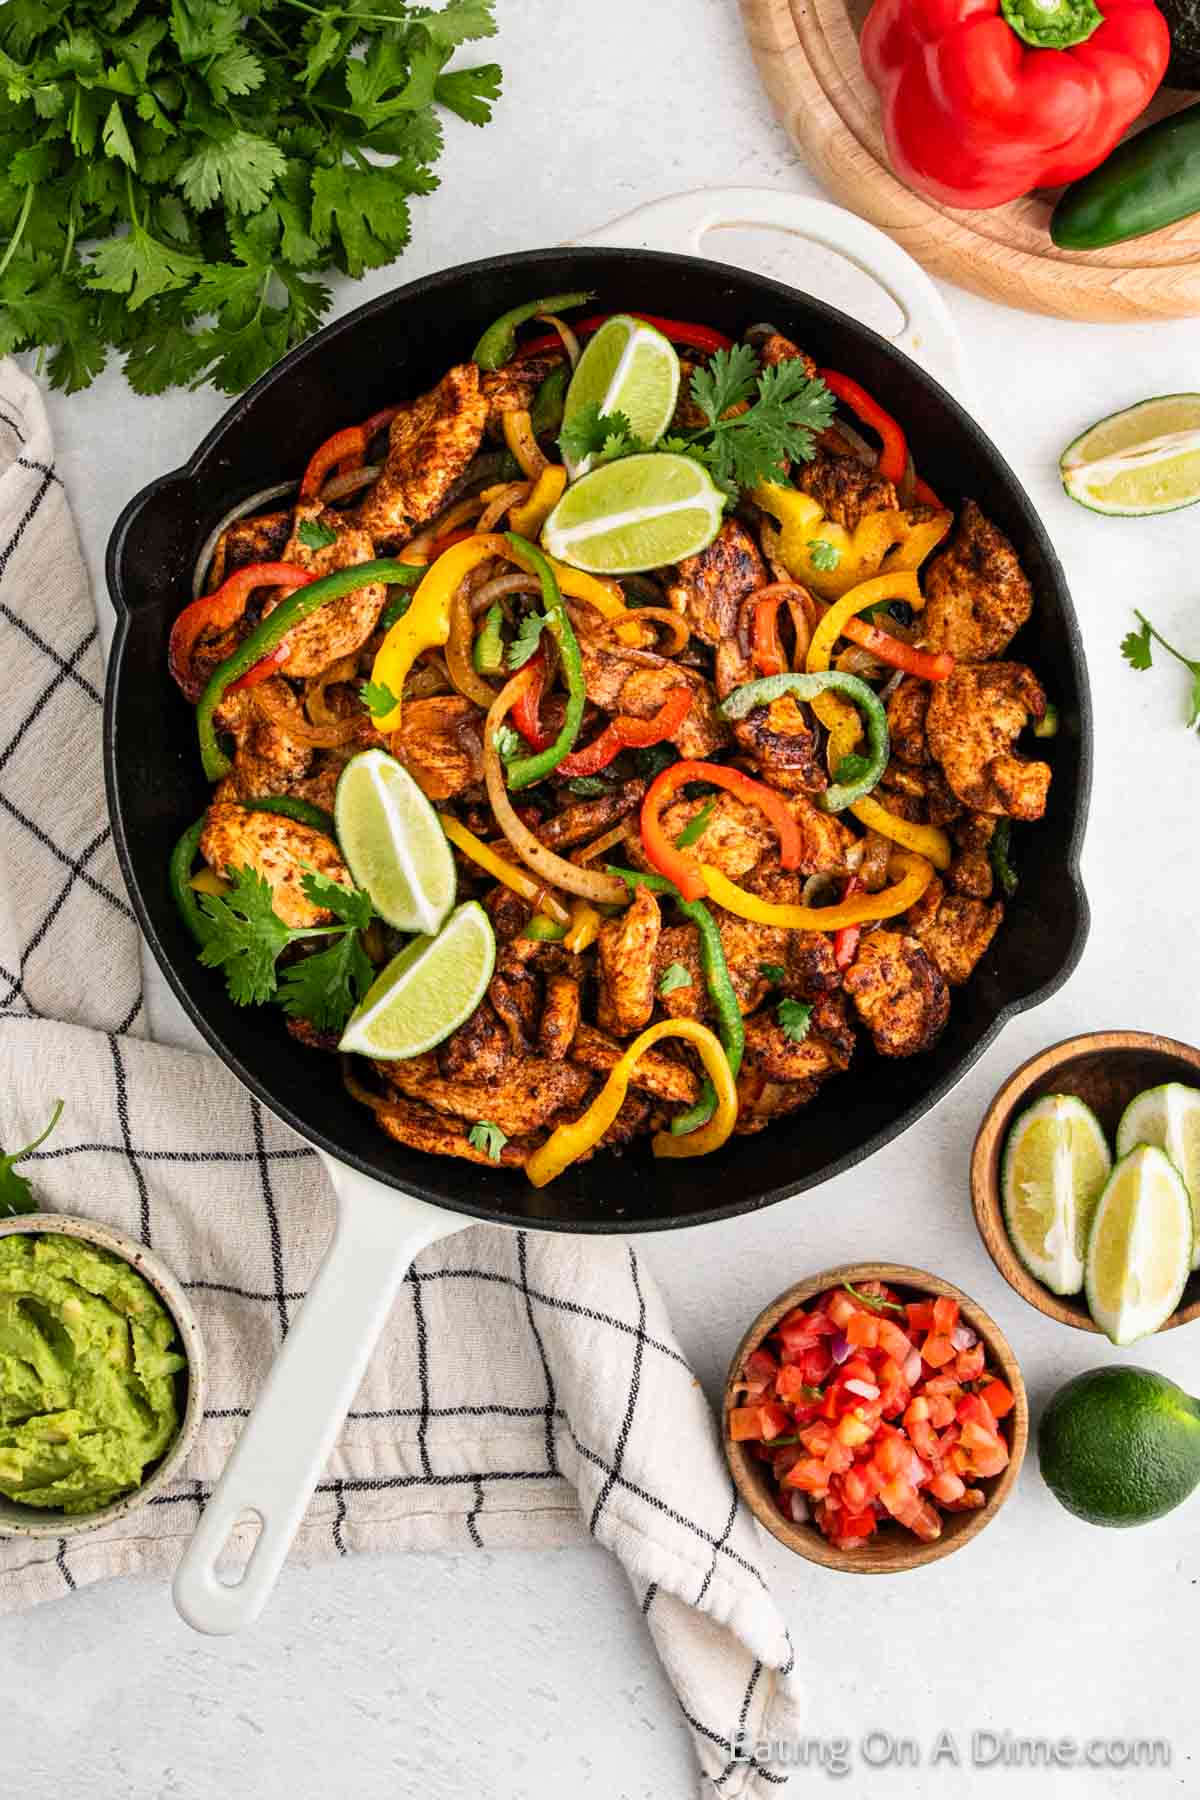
[88,1361]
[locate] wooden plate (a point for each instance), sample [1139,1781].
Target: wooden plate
[807,55]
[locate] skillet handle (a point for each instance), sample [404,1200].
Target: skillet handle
[287,1440]
[681,222]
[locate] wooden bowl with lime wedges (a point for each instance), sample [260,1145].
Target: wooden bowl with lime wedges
[1100,1075]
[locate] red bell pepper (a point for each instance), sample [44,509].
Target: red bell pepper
[985,99]
[893,457]
[930,666]
[680,331]
[348,446]
[627,733]
[845,949]
[765,644]
[669,860]
[526,709]
[217,612]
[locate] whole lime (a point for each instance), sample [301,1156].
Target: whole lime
[1120,1446]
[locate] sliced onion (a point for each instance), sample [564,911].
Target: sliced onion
[417,549]
[588,883]
[510,495]
[866,1390]
[649,590]
[963,1338]
[800,1509]
[820,890]
[906,487]
[839,1347]
[617,835]
[276,702]
[340,487]
[459,652]
[315,703]
[912,1367]
[499,586]
[570,342]
[885,693]
[865,452]
[240,511]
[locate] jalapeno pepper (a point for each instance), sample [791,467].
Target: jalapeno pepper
[498,342]
[893,457]
[524,771]
[219,611]
[626,733]
[805,687]
[668,859]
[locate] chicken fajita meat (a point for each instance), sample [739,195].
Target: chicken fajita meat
[734,823]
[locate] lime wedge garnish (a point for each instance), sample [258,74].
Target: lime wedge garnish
[427,991]
[1140,1250]
[1169,1117]
[392,842]
[1140,461]
[638,513]
[630,368]
[1056,1163]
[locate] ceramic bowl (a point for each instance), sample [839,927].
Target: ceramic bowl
[47,1522]
[1105,1069]
[892,1549]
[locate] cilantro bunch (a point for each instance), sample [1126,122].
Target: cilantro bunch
[175,175]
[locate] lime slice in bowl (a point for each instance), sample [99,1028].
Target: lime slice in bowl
[392,842]
[631,368]
[1169,1117]
[427,991]
[1056,1162]
[1140,1249]
[1137,462]
[638,513]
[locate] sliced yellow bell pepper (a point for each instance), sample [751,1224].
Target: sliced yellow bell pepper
[585,926]
[925,840]
[568,1143]
[605,596]
[889,534]
[528,518]
[915,876]
[426,624]
[519,880]
[519,436]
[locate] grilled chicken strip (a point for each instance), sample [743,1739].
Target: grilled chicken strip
[616,684]
[656,1073]
[514,387]
[734,838]
[430,444]
[527,1094]
[826,1049]
[906,712]
[709,588]
[422,1129]
[342,626]
[846,489]
[280,850]
[899,992]
[440,743]
[560,1017]
[954,929]
[583,820]
[626,947]
[973,721]
[266,760]
[977,594]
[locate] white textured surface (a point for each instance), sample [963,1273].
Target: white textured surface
[531,1677]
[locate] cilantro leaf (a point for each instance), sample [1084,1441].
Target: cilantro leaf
[590,430]
[674,976]
[458,22]
[795,1017]
[695,826]
[727,381]
[316,534]
[378,698]
[587,787]
[361,214]
[1137,649]
[244,936]
[326,986]
[775,973]
[524,645]
[138,265]
[236,71]
[115,137]
[240,169]
[824,555]
[488,1137]
[852,768]
[16,1194]
[508,743]
[351,905]
[755,427]
[471,93]
[876,1302]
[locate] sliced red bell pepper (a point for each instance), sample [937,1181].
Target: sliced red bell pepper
[680,331]
[670,861]
[349,446]
[217,612]
[765,644]
[626,733]
[897,654]
[845,941]
[893,457]
[526,710]
[924,495]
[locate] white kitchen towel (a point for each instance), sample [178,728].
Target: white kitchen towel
[528,1389]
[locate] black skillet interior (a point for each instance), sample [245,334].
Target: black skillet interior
[394,348]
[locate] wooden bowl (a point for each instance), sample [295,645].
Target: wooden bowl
[1106,1070]
[892,1549]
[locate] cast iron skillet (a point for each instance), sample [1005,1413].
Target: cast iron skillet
[393,348]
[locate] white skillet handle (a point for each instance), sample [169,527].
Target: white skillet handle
[287,1440]
[680,223]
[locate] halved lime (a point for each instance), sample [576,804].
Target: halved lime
[638,513]
[1056,1163]
[1169,1117]
[1140,1249]
[392,842]
[1140,461]
[427,991]
[631,368]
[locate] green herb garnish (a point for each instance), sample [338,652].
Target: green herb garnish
[489,1137]
[786,408]
[601,436]
[876,1302]
[316,534]
[244,935]
[775,973]
[16,1195]
[378,698]
[823,554]
[695,827]
[1137,649]
[529,636]
[674,976]
[795,1018]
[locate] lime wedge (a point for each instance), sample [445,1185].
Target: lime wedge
[392,842]
[638,513]
[427,991]
[1140,1250]
[1140,461]
[1170,1118]
[1056,1163]
[631,368]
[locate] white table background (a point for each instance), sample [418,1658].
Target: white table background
[523,1677]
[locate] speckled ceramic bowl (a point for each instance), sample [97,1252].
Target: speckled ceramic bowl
[43,1522]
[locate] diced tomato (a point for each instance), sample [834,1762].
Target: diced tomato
[816,1439]
[920,1315]
[973,1407]
[941,1409]
[891,1456]
[842,1308]
[853,1527]
[937,1350]
[998,1399]
[855,1428]
[839,1458]
[968,1364]
[857,1491]
[924,1521]
[744,1423]
[816,1364]
[945,1315]
[759,1370]
[943,1384]
[785,1459]
[809,1476]
[947,1486]
[857,1368]
[797,1333]
[862,1331]
[775,1420]
[893,1389]
[899,1496]
[896,1342]
[790,1385]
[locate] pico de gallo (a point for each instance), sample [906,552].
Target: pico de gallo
[869,1408]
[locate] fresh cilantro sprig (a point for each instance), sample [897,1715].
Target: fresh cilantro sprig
[315,534]
[245,937]
[487,1137]
[876,1302]
[525,643]
[674,976]
[177,178]
[1137,647]
[775,973]
[795,1018]
[16,1195]
[825,556]
[696,826]
[378,698]
[601,436]
[774,415]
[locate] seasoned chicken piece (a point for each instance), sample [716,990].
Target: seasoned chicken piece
[679,946]
[636,1116]
[976,592]
[761,1100]
[479,1050]
[784,745]
[971,871]
[340,627]
[415,1125]
[749,950]
[974,719]
[736,835]
[656,1073]
[281,851]
[507,911]
[583,820]
[257,539]
[777,349]
[846,489]
[626,947]
[266,760]
[430,444]
[514,992]
[319,785]
[954,929]
[524,1096]
[906,712]
[899,992]
[560,1017]
[709,588]
[780,1058]
[825,842]
[617,685]
[306,1033]
[440,743]
[514,387]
